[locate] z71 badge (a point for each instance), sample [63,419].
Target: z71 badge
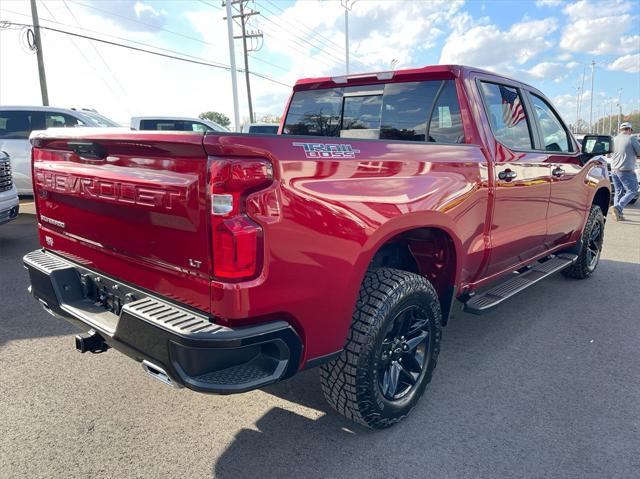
[327,150]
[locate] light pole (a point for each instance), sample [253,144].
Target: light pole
[593,69]
[619,107]
[610,113]
[348,5]
[584,72]
[232,61]
[575,128]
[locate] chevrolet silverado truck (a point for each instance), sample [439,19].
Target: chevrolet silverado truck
[224,262]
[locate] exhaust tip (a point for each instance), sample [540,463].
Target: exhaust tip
[156,372]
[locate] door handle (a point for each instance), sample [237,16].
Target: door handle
[507,175]
[557,172]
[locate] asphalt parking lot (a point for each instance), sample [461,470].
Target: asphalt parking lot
[546,386]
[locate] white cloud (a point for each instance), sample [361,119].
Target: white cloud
[598,28]
[552,70]
[487,46]
[548,3]
[626,63]
[545,69]
[141,9]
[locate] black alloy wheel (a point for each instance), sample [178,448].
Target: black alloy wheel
[404,353]
[594,245]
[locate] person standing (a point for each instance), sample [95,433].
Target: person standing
[626,149]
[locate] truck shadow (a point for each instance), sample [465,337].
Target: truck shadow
[21,317]
[498,378]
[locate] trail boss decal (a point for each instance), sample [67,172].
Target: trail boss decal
[327,150]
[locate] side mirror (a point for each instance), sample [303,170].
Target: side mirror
[594,145]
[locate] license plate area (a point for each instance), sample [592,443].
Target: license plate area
[96,299]
[103,294]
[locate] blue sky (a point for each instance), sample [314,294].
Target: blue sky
[544,42]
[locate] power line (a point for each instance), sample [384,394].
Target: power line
[72,41]
[210,4]
[93,46]
[281,22]
[298,49]
[298,42]
[198,62]
[335,47]
[145,23]
[108,35]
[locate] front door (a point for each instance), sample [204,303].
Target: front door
[569,199]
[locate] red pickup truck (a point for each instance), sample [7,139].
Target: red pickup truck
[225,262]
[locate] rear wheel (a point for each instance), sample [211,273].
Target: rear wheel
[391,350]
[592,240]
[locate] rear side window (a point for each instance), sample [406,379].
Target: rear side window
[157,125]
[446,123]
[507,116]
[315,113]
[554,135]
[418,111]
[15,125]
[264,129]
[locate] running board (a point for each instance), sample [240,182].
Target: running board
[484,302]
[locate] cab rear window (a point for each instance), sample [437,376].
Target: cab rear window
[425,111]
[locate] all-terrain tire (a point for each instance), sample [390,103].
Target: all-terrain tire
[585,265]
[351,383]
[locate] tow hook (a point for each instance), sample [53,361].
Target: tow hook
[90,341]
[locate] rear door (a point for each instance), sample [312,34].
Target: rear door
[569,198]
[522,178]
[132,205]
[15,127]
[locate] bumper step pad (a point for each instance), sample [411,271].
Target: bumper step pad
[484,302]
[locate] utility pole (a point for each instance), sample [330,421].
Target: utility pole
[610,114]
[232,61]
[243,15]
[593,69]
[38,42]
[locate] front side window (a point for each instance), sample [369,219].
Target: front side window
[554,134]
[60,120]
[197,127]
[425,111]
[507,116]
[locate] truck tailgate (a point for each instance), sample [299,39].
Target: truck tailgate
[130,205]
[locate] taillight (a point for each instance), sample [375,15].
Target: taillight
[237,240]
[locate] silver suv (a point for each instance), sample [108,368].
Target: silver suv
[17,123]
[8,194]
